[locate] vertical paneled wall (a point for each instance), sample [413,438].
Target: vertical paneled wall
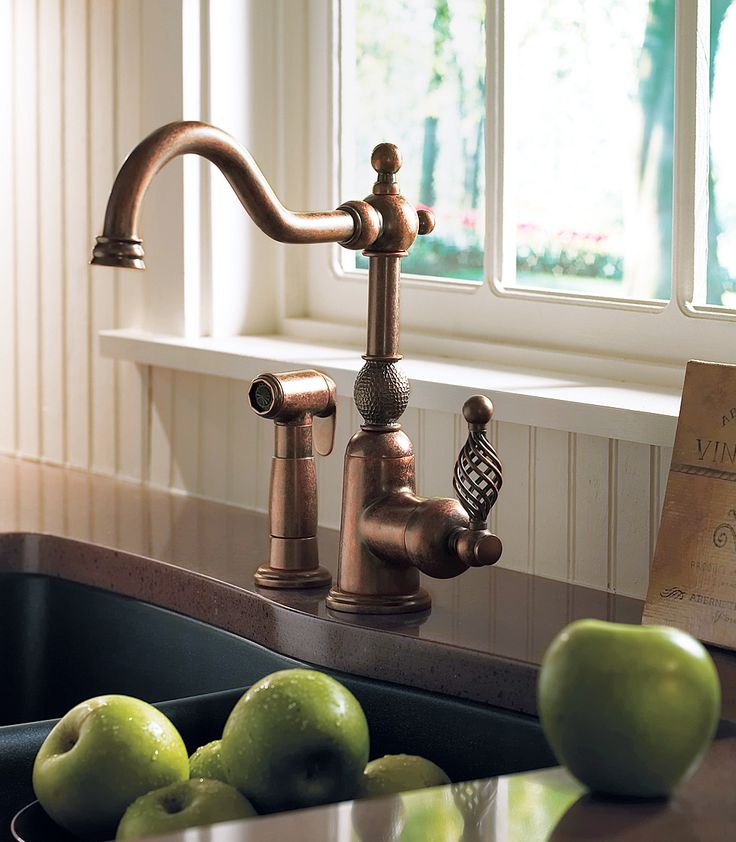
[573,507]
[70,103]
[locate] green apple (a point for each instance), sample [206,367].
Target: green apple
[102,755]
[630,710]
[193,803]
[206,762]
[297,738]
[395,773]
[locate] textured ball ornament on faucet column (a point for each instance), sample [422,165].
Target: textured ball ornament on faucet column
[381,393]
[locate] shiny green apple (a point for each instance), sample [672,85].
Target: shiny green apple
[395,773]
[102,755]
[206,762]
[297,738]
[630,710]
[193,803]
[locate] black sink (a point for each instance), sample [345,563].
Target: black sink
[61,642]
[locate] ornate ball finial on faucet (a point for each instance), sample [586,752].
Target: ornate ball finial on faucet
[478,411]
[386,160]
[401,221]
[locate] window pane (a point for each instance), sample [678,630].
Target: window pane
[419,83]
[590,102]
[721,275]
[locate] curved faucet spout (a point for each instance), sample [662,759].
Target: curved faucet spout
[354,225]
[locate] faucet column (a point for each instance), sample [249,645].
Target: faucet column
[379,458]
[383,308]
[389,534]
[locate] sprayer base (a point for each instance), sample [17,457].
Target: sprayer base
[273,577]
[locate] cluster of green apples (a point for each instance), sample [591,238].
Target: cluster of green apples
[115,765]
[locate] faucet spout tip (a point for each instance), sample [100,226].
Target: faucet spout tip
[121,253]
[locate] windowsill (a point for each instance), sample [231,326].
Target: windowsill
[574,403]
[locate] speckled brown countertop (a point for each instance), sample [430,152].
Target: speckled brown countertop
[482,640]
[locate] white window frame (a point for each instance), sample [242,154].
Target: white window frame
[577,327]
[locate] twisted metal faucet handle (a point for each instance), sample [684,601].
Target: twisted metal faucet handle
[478,472]
[477,480]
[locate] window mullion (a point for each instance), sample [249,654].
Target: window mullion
[496,211]
[691,145]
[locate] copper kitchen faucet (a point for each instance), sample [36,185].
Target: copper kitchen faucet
[388,534]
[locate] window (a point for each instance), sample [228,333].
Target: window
[589,92]
[579,200]
[619,245]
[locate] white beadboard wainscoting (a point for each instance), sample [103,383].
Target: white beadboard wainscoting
[70,76]
[574,507]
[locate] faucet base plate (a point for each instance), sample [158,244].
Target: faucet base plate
[357,603]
